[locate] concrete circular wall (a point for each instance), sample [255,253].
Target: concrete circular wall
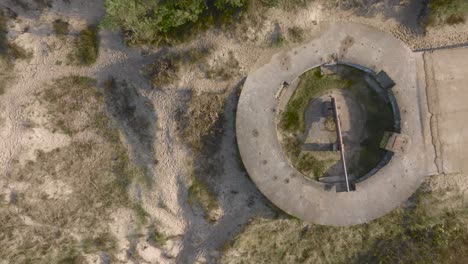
[284,185]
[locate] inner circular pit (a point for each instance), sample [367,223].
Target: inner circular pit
[307,123]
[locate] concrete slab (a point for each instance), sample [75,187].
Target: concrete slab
[447,89]
[310,200]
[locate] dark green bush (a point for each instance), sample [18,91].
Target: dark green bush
[167,21]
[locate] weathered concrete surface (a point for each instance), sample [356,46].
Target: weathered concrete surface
[447,89]
[307,199]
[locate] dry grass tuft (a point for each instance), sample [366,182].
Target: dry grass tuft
[61,27]
[225,69]
[201,120]
[200,129]
[86,48]
[165,70]
[200,196]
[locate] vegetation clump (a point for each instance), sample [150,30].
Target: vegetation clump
[447,12]
[200,196]
[9,52]
[156,237]
[165,70]
[60,27]
[311,85]
[202,119]
[296,34]
[225,69]
[200,128]
[86,48]
[162,22]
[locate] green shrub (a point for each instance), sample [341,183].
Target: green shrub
[166,21]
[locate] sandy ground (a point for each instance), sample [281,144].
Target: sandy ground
[192,237]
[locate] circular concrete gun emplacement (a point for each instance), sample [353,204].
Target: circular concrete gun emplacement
[332,132]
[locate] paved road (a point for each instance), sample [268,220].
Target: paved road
[307,199]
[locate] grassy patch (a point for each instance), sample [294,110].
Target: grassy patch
[418,234]
[199,195]
[296,34]
[278,40]
[200,129]
[447,12]
[6,74]
[225,69]
[68,98]
[311,85]
[101,242]
[308,162]
[315,168]
[86,48]
[60,27]
[201,119]
[165,70]
[9,52]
